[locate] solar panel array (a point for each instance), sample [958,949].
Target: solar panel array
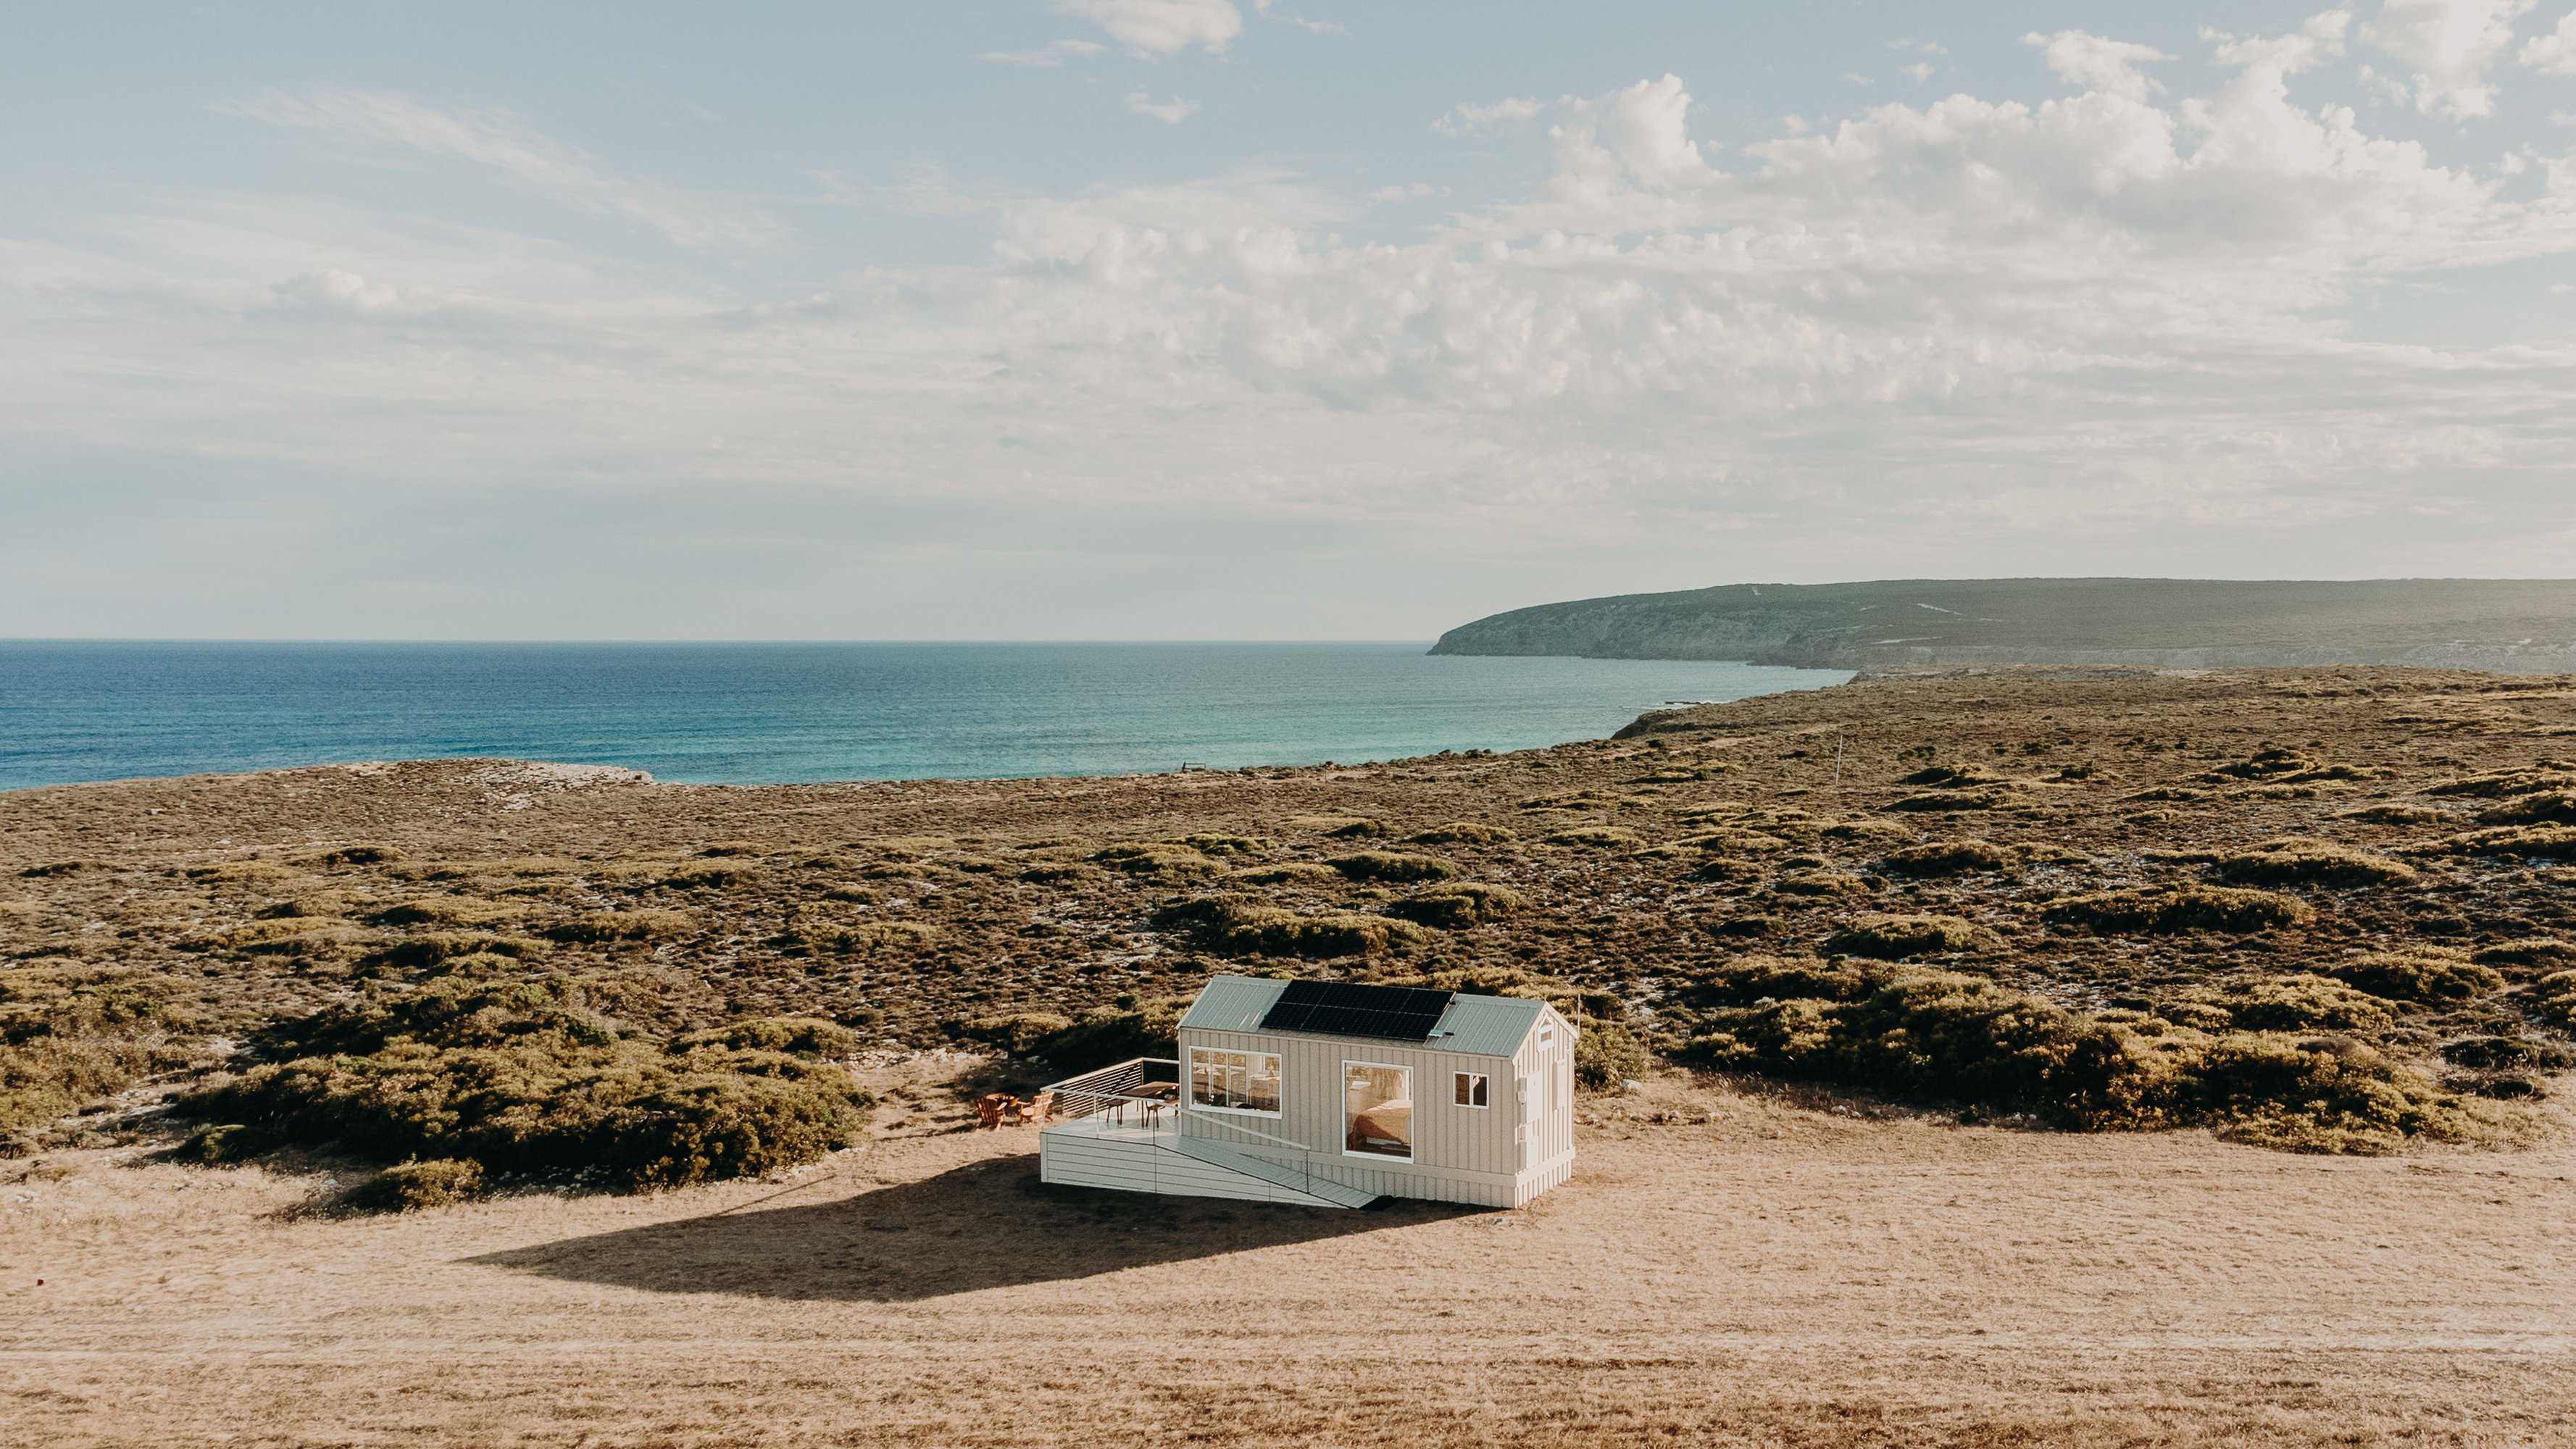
[1341,1008]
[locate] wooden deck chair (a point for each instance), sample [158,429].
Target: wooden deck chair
[994,1108]
[1034,1113]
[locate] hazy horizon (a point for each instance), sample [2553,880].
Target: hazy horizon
[1235,320]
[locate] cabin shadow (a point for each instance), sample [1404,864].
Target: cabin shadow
[988,1224]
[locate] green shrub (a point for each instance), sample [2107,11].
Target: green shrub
[1158,861]
[1905,1032]
[2553,999]
[1289,872]
[2304,1002]
[2307,862]
[1606,1054]
[1341,827]
[1894,938]
[1820,885]
[1022,1033]
[2505,784]
[2418,975]
[1462,832]
[413,1186]
[524,1077]
[1950,802]
[1231,926]
[2549,807]
[2529,951]
[607,926]
[2166,910]
[445,911]
[1735,842]
[419,952]
[1206,844]
[2555,842]
[1387,865]
[1597,837]
[802,1036]
[1948,857]
[1457,905]
[2501,1053]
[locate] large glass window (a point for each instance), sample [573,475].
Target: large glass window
[1235,1081]
[1377,1110]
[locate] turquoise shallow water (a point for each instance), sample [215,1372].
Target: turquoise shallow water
[779,713]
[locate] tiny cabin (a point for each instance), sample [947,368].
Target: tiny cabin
[1330,1094]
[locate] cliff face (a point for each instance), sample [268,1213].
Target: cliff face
[2513,625]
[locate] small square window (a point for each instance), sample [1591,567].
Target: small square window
[1546,1035]
[1472,1090]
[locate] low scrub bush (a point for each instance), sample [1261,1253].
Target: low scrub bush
[2549,807]
[801,1036]
[2421,975]
[525,1077]
[1736,842]
[1341,827]
[601,927]
[2505,1053]
[2308,862]
[2505,784]
[2546,842]
[1894,938]
[1101,1036]
[1869,831]
[1289,872]
[1948,857]
[1206,844]
[1457,905]
[1907,1032]
[855,939]
[445,911]
[2165,910]
[1394,866]
[2529,951]
[1946,802]
[1462,832]
[2304,1002]
[1606,1054]
[1231,926]
[1820,885]
[1158,862]
[2391,813]
[1597,837]
[416,1186]
[2553,999]
[424,951]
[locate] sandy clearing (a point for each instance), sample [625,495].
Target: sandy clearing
[1774,1274]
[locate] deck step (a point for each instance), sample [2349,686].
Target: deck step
[1235,1159]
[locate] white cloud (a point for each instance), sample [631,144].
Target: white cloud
[524,158]
[1921,70]
[1160,27]
[1410,191]
[2553,53]
[2096,64]
[1171,112]
[1465,118]
[2110,321]
[1045,57]
[2448,45]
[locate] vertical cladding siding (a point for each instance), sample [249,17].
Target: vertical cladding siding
[1460,1154]
[1551,1137]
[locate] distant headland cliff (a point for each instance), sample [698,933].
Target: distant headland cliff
[2513,625]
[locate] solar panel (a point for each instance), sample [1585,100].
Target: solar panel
[1343,1008]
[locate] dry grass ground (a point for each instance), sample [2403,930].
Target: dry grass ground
[1728,1268]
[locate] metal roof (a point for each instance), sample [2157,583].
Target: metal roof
[1485,1026]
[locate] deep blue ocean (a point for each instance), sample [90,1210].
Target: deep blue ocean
[778,713]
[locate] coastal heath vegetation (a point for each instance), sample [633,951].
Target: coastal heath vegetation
[2306,908]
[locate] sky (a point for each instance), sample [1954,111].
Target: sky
[1257,319]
